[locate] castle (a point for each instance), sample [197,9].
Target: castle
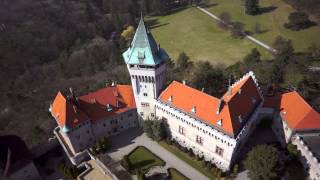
[215,128]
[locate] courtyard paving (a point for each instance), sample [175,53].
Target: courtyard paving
[125,142]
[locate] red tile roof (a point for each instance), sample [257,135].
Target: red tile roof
[93,105]
[232,106]
[298,114]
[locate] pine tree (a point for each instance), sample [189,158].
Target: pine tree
[252,7]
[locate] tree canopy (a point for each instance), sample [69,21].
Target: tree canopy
[263,163]
[252,7]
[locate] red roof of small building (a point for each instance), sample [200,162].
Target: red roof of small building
[297,113]
[92,106]
[234,103]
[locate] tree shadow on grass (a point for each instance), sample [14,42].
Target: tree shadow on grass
[263,10]
[208,5]
[154,23]
[141,164]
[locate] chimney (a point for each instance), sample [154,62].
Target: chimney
[184,82]
[71,92]
[113,83]
[202,90]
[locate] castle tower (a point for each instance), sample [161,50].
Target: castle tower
[146,64]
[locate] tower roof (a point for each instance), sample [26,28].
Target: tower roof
[144,49]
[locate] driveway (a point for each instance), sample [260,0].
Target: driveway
[126,141]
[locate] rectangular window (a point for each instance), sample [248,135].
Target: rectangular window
[181,130]
[219,151]
[145,94]
[199,140]
[145,104]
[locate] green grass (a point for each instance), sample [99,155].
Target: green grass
[197,34]
[186,158]
[272,22]
[176,175]
[142,158]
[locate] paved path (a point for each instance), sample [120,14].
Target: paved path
[128,140]
[269,48]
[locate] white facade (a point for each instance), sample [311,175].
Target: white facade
[82,137]
[147,83]
[204,139]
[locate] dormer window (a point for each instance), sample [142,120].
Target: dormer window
[219,122]
[170,99]
[254,100]
[194,109]
[240,118]
[108,108]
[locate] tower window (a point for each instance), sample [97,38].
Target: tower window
[145,94]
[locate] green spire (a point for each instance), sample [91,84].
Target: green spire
[144,49]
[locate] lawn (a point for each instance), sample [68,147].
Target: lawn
[186,158]
[142,158]
[176,175]
[271,22]
[191,31]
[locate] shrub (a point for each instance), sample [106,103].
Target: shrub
[298,21]
[126,163]
[293,151]
[209,165]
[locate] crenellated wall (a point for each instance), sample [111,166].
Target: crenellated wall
[308,159]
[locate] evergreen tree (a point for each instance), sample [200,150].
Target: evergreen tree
[147,128]
[263,163]
[252,7]
[252,58]
[298,21]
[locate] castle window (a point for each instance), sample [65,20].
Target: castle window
[181,130]
[194,109]
[254,100]
[199,140]
[219,151]
[240,118]
[108,108]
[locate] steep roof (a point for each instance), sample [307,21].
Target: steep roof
[119,97]
[298,114]
[69,112]
[229,107]
[144,49]
[65,111]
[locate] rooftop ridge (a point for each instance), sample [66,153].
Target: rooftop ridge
[174,81]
